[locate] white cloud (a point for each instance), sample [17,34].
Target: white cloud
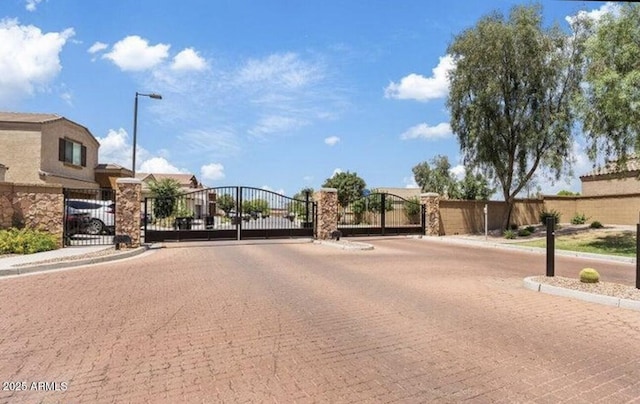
[336,172]
[277,191]
[596,14]
[332,140]
[458,171]
[159,165]
[410,182]
[287,70]
[32,4]
[424,131]
[114,148]
[212,172]
[188,59]
[97,47]
[29,59]
[135,54]
[420,88]
[276,124]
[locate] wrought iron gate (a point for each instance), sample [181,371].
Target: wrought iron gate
[89,216]
[379,214]
[228,213]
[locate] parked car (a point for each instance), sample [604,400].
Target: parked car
[102,214]
[76,222]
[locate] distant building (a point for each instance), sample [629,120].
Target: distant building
[612,179]
[47,149]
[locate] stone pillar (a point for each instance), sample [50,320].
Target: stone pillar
[3,170]
[128,195]
[327,200]
[432,202]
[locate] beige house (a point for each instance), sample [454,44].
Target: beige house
[47,149]
[613,180]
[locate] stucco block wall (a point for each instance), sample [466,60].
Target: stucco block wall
[465,217]
[53,131]
[628,185]
[20,151]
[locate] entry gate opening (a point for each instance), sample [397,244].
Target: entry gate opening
[228,213]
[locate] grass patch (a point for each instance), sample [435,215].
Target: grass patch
[608,243]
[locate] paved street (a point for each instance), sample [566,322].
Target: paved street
[411,321]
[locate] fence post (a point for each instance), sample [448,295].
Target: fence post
[327,211]
[128,198]
[551,245]
[383,209]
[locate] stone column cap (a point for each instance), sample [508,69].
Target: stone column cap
[430,194]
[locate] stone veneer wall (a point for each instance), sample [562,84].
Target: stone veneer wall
[33,206]
[128,196]
[327,200]
[432,202]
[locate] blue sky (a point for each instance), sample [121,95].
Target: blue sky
[267,93]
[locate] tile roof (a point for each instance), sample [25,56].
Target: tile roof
[632,165]
[28,117]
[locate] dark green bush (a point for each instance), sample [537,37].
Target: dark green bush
[530,229]
[509,234]
[524,233]
[26,241]
[513,226]
[596,225]
[579,218]
[549,213]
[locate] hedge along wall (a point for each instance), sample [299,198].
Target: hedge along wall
[34,206]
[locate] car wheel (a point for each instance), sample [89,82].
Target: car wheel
[94,227]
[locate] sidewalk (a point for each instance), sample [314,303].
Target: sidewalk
[62,258]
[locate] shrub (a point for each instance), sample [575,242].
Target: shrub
[549,213]
[589,275]
[530,229]
[26,241]
[509,234]
[596,225]
[524,233]
[513,226]
[579,218]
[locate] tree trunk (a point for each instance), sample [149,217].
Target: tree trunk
[506,220]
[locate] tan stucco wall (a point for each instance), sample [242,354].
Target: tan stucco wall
[628,185]
[20,151]
[70,176]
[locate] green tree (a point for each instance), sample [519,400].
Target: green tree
[510,98]
[610,102]
[436,177]
[350,187]
[564,192]
[475,186]
[257,205]
[297,206]
[226,203]
[166,193]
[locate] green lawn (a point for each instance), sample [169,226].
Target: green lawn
[618,243]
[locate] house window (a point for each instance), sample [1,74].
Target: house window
[72,152]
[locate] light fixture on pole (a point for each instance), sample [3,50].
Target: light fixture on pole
[155,96]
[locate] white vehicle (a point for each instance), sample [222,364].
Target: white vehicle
[102,214]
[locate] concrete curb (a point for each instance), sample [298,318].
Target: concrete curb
[534,250]
[72,263]
[345,245]
[530,284]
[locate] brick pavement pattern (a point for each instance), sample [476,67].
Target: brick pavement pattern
[411,321]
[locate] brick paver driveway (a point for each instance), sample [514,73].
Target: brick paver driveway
[411,321]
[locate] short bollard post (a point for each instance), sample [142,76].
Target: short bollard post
[551,245]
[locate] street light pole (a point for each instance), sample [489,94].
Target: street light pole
[155,96]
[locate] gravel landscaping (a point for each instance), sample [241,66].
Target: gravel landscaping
[600,288]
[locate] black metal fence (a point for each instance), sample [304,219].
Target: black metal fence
[89,216]
[382,214]
[228,213]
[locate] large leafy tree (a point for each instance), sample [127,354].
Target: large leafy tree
[350,187]
[474,186]
[436,177]
[226,203]
[610,104]
[166,193]
[510,98]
